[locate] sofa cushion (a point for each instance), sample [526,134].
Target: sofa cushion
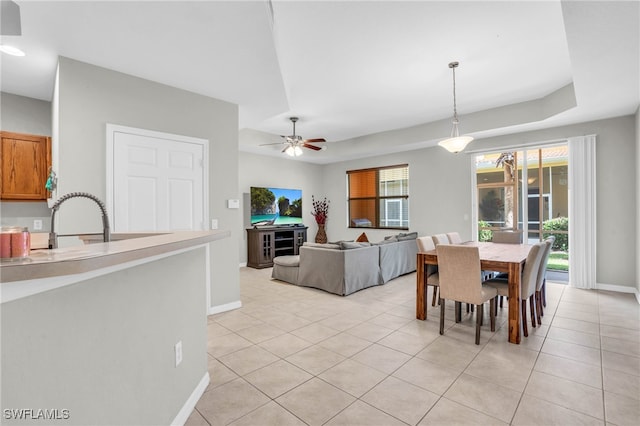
[334,246]
[387,240]
[287,260]
[347,245]
[409,236]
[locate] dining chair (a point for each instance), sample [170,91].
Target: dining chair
[541,298]
[528,283]
[459,272]
[431,271]
[440,239]
[507,237]
[454,238]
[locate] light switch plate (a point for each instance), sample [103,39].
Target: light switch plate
[233,204]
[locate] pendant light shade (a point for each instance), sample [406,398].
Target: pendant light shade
[455,143]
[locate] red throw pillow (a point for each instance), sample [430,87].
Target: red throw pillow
[362,238]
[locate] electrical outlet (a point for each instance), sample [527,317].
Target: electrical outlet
[37,225]
[214,223]
[178,351]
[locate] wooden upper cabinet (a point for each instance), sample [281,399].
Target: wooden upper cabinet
[25,161]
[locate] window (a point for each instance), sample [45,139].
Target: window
[379,197]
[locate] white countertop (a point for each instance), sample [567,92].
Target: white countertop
[89,257]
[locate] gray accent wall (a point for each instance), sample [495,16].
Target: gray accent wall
[637,169]
[88,97]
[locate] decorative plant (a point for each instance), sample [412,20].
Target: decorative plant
[320,210]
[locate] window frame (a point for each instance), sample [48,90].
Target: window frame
[377,199]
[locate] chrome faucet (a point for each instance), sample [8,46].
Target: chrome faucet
[53,237]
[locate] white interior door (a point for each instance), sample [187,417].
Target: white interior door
[158,181]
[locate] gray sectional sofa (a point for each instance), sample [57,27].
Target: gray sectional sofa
[346,267]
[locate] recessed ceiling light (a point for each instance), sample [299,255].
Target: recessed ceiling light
[10,50]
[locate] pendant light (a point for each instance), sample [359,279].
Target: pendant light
[455,143]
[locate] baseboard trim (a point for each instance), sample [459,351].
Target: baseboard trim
[243,264]
[620,289]
[224,308]
[191,402]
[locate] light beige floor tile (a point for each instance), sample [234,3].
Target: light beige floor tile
[277,378]
[389,321]
[425,329]
[405,342]
[621,383]
[260,333]
[219,374]
[578,315]
[400,399]
[447,412]
[342,322]
[620,333]
[196,419]
[450,353]
[270,414]
[576,371]
[315,332]
[381,358]
[572,351]
[621,410]
[571,324]
[285,345]
[624,321]
[535,411]
[315,401]
[214,330]
[580,307]
[491,399]
[345,344]
[353,377]
[619,362]
[572,395]
[315,359]
[248,359]
[572,336]
[427,375]
[285,320]
[620,346]
[363,414]
[223,345]
[236,320]
[229,402]
[508,371]
[370,332]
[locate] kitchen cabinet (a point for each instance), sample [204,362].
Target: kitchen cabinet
[25,161]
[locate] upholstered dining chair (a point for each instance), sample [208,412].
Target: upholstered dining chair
[459,272]
[440,239]
[454,238]
[431,271]
[542,278]
[528,283]
[507,237]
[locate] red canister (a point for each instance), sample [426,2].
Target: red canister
[15,242]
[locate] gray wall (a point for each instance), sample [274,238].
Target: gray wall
[32,116]
[440,190]
[89,97]
[259,170]
[104,348]
[637,168]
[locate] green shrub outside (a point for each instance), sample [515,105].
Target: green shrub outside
[557,224]
[484,234]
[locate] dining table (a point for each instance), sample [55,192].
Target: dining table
[499,257]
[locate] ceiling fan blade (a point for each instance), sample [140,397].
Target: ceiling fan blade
[315,148]
[275,143]
[315,140]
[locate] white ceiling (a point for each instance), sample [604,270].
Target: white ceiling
[353,68]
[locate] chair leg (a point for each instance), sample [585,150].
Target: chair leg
[532,309]
[478,323]
[458,311]
[492,314]
[523,308]
[500,301]
[544,292]
[435,294]
[441,315]
[539,310]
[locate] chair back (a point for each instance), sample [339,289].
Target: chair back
[425,244]
[542,271]
[454,238]
[507,237]
[440,239]
[459,271]
[530,271]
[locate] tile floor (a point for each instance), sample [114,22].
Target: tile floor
[298,356]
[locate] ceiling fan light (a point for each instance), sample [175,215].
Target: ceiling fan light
[290,151]
[297,151]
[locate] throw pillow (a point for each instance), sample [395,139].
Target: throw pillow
[362,238]
[346,245]
[410,236]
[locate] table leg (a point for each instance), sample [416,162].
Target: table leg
[514,302]
[421,289]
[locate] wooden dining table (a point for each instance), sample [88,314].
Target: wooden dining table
[509,258]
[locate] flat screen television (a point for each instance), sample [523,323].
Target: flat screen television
[275,206]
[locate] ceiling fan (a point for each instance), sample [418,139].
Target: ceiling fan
[294,143]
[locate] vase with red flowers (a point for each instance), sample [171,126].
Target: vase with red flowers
[320,213]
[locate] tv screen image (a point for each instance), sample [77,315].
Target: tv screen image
[276,206]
